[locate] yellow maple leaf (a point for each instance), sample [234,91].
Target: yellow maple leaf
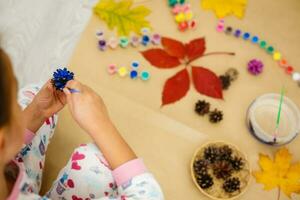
[122,16]
[279,173]
[223,8]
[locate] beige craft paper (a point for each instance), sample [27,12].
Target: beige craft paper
[167,137]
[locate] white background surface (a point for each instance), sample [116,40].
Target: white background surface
[40,35]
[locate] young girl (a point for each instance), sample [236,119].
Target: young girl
[114,173]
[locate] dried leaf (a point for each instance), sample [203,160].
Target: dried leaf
[119,14]
[279,173]
[173,47]
[225,8]
[195,48]
[176,87]
[207,82]
[160,58]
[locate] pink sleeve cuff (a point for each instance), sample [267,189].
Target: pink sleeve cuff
[128,170]
[29,135]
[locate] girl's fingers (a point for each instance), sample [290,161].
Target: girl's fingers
[68,95]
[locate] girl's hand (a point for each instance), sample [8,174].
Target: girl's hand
[87,108]
[90,113]
[46,103]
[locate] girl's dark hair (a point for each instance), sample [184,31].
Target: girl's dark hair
[5,88]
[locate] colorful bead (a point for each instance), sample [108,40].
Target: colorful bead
[263,44]
[145,40]
[188,16]
[181,1]
[276,56]
[255,66]
[135,41]
[113,42]
[220,26]
[289,70]
[193,24]
[102,45]
[270,49]
[156,39]
[179,18]
[296,76]
[133,74]
[122,71]
[228,30]
[176,9]
[172,3]
[283,63]
[183,26]
[237,33]
[246,36]
[135,64]
[112,69]
[255,39]
[99,34]
[124,41]
[145,75]
[186,7]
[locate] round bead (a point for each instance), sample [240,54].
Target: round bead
[276,56]
[228,30]
[133,74]
[296,76]
[172,3]
[99,34]
[135,64]
[122,71]
[113,42]
[145,75]
[102,45]
[145,40]
[283,63]
[156,38]
[183,26]
[112,69]
[263,44]
[270,49]
[124,42]
[181,1]
[176,9]
[289,70]
[180,18]
[220,26]
[246,36]
[237,33]
[255,39]
[186,7]
[188,16]
[135,41]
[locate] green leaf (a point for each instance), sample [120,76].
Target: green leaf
[120,15]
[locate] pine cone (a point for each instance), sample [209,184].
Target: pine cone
[202,107]
[232,73]
[222,169]
[61,77]
[231,185]
[225,80]
[211,154]
[237,163]
[200,167]
[215,116]
[205,181]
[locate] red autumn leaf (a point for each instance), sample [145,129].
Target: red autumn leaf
[173,47]
[207,82]
[176,87]
[160,58]
[195,48]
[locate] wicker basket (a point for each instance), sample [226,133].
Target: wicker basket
[234,148]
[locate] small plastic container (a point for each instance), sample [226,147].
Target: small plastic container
[262,117]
